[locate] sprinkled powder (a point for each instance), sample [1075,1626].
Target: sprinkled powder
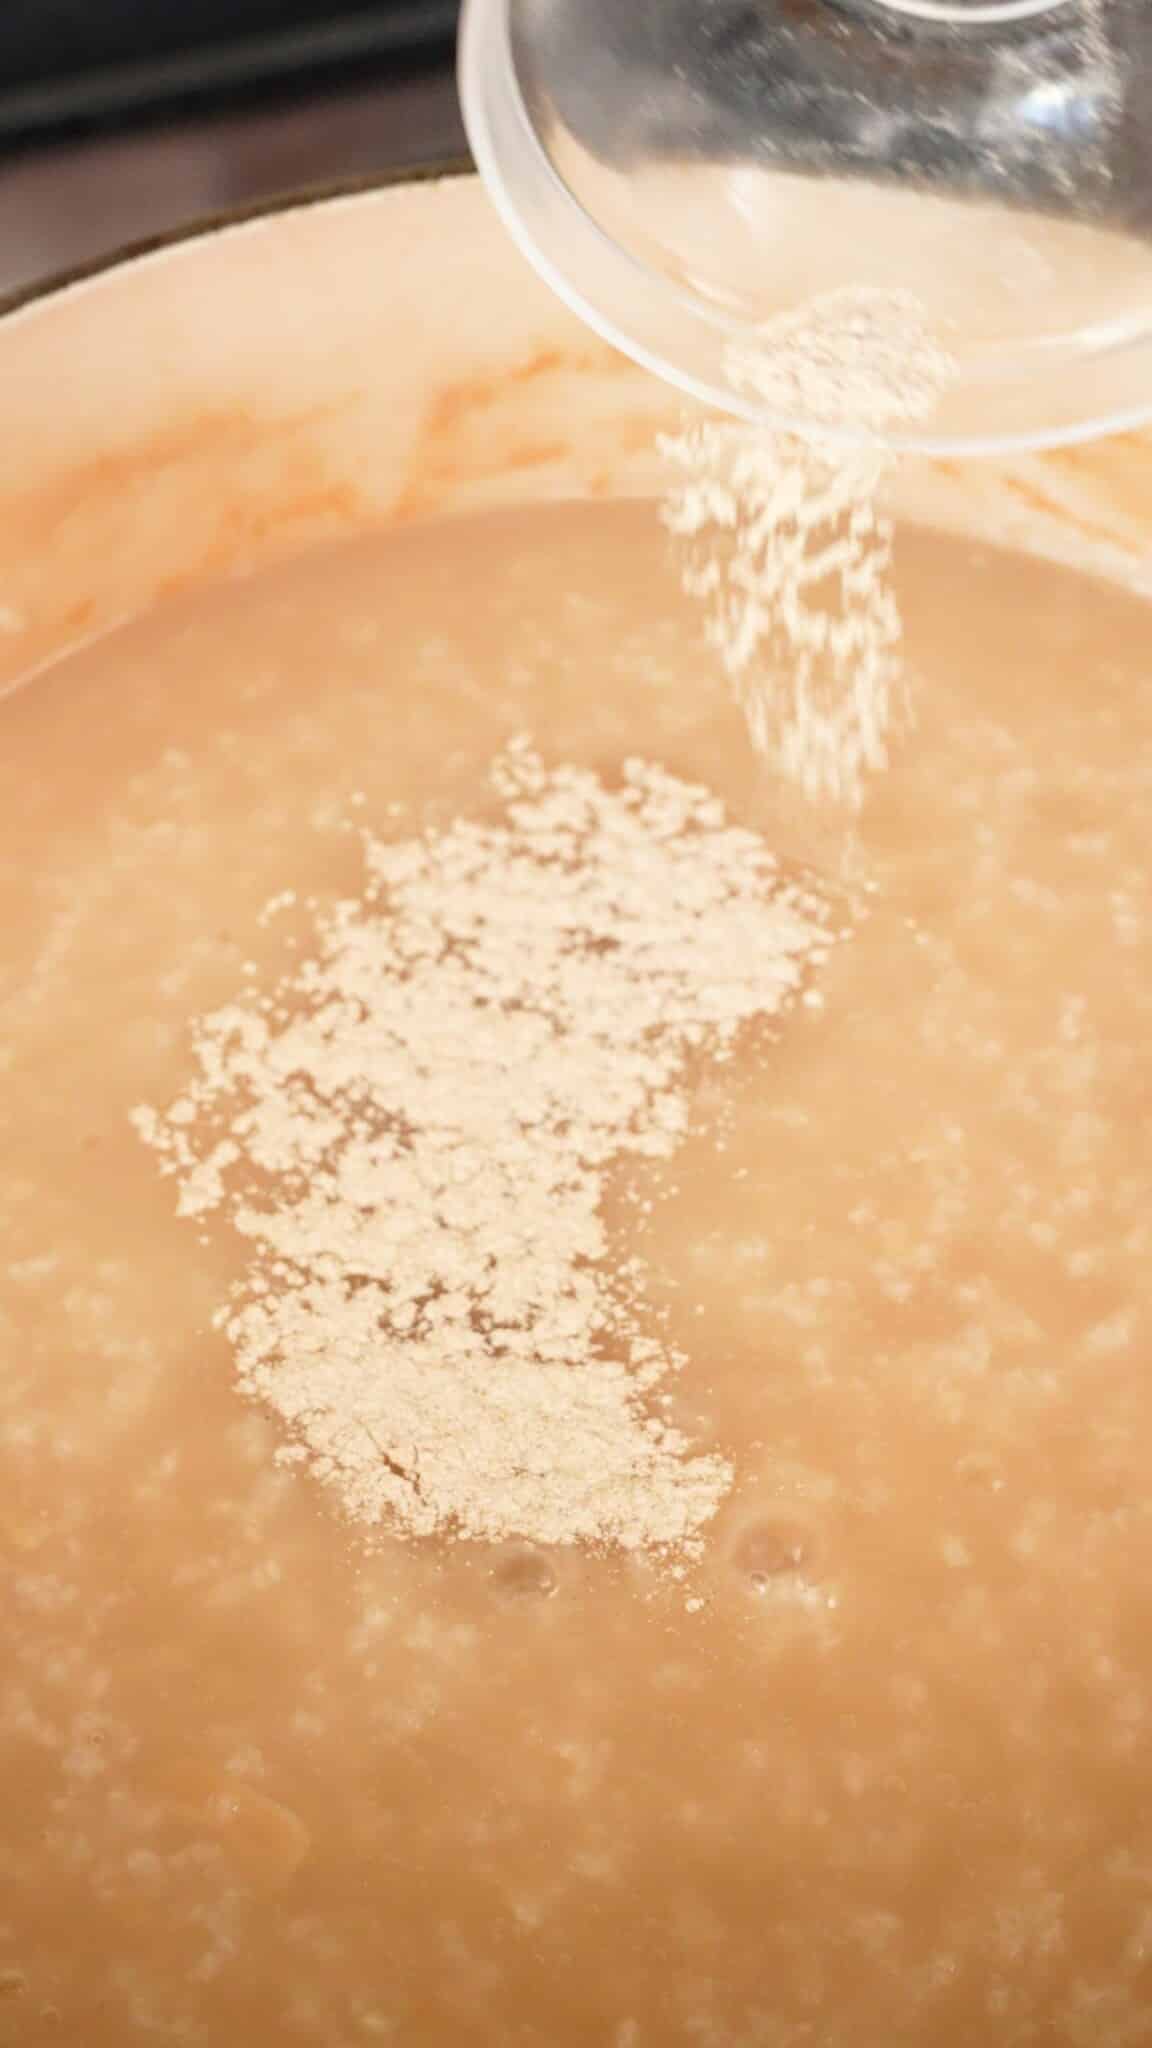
[792,551]
[413,1132]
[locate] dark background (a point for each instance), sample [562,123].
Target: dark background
[124,119]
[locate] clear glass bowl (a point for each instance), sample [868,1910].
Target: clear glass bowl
[682,171]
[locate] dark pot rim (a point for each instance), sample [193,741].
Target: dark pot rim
[228,217]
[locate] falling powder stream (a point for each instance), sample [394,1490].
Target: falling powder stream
[791,549]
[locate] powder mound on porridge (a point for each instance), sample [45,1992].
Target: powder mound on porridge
[413,1133]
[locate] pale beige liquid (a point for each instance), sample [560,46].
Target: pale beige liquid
[890,1783]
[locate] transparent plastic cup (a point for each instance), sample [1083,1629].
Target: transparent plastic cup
[684,171]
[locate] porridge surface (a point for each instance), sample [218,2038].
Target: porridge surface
[875,1773]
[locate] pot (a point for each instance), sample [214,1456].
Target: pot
[193,414]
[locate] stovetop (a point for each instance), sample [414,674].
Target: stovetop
[69,62]
[145,117]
